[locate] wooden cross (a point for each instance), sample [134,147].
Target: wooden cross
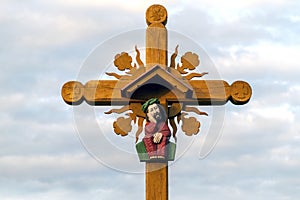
[172,84]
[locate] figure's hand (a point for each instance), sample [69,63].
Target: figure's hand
[157,137]
[152,119]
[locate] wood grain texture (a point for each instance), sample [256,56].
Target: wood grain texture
[157,181]
[156,46]
[72,92]
[208,92]
[241,92]
[205,92]
[156,37]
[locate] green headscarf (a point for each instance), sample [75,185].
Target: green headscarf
[148,103]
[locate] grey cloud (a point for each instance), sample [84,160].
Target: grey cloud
[42,155]
[75,175]
[264,23]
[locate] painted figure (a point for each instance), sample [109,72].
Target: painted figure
[157,132]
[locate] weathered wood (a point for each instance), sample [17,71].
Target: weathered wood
[108,92]
[208,92]
[241,92]
[157,181]
[72,92]
[102,92]
[156,37]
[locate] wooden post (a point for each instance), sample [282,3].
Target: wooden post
[157,181]
[156,37]
[156,46]
[156,54]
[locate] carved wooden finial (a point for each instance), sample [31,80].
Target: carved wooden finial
[156,14]
[241,92]
[72,92]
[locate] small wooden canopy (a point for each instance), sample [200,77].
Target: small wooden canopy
[160,76]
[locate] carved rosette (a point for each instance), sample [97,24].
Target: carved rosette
[240,92]
[156,14]
[72,92]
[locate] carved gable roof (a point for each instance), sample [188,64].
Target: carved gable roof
[157,75]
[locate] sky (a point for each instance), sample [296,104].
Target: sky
[44,153]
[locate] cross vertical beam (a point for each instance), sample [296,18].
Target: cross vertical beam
[156,37]
[156,53]
[157,181]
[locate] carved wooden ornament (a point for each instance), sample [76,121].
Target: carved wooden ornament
[176,85]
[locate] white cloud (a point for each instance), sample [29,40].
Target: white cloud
[60,29]
[41,157]
[51,29]
[268,61]
[280,113]
[44,25]
[231,4]
[286,155]
[46,166]
[231,11]
[132,6]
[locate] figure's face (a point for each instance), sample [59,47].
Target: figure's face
[154,112]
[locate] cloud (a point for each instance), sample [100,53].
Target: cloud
[42,27]
[43,46]
[46,166]
[250,26]
[59,177]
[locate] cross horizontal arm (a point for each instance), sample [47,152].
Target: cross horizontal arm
[108,92]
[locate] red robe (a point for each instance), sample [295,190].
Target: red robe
[156,149]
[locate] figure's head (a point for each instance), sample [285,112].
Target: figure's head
[153,110]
